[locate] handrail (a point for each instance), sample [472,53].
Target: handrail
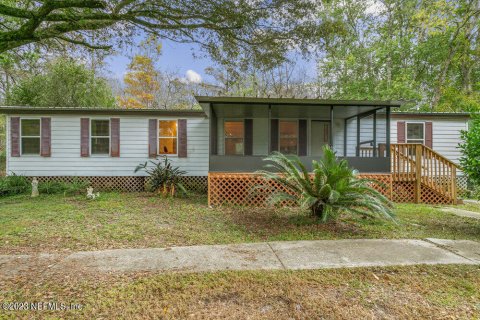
[428,148]
[413,162]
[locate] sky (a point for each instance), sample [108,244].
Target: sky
[184,59]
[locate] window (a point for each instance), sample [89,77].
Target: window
[100,136]
[30,133]
[167,138]
[234,137]
[288,133]
[415,133]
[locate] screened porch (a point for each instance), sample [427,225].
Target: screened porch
[245,130]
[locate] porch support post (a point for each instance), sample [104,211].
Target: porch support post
[269,145]
[357,152]
[213,131]
[388,132]
[375,134]
[331,127]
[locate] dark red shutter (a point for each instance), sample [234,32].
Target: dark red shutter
[302,137]
[274,135]
[15,136]
[401,132]
[429,134]
[182,138]
[248,137]
[46,138]
[152,138]
[115,137]
[85,137]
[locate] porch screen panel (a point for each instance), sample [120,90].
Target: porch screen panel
[288,134]
[351,137]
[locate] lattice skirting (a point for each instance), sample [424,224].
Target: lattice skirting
[403,191]
[239,189]
[195,183]
[124,183]
[129,183]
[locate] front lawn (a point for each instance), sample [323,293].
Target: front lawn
[135,220]
[415,292]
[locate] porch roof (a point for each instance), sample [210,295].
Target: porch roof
[288,107]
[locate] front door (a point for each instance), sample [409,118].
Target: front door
[320,131]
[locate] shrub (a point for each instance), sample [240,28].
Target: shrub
[163,177]
[14,184]
[75,187]
[51,187]
[3,161]
[470,161]
[333,187]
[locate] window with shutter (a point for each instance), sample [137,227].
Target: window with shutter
[415,132]
[100,136]
[30,136]
[167,137]
[234,137]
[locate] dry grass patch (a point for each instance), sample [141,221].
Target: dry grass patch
[440,292]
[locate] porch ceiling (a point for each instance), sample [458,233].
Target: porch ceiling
[231,107]
[287,111]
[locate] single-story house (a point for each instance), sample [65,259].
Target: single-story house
[229,135]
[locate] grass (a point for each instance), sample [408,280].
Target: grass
[136,220]
[418,292]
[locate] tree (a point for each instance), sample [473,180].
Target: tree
[141,84]
[333,189]
[65,83]
[259,30]
[424,51]
[470,161]
[284,80]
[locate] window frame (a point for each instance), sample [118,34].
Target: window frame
[225,138]
[298,135]
[109,138]
[166,137]
[39,137]
[406,132]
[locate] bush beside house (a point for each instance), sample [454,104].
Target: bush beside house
[470,161]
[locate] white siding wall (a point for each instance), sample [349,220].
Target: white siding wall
[66,160]
[446,134]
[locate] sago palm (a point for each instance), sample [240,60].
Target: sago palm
[331,188]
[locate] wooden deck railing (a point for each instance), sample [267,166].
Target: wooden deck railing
[422,165]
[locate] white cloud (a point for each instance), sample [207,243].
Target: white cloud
[192,76]
[374,7]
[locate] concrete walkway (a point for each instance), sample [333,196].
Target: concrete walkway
[290,255]
[462,213]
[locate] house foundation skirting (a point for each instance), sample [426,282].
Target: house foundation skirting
[239,189]
[128,183]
